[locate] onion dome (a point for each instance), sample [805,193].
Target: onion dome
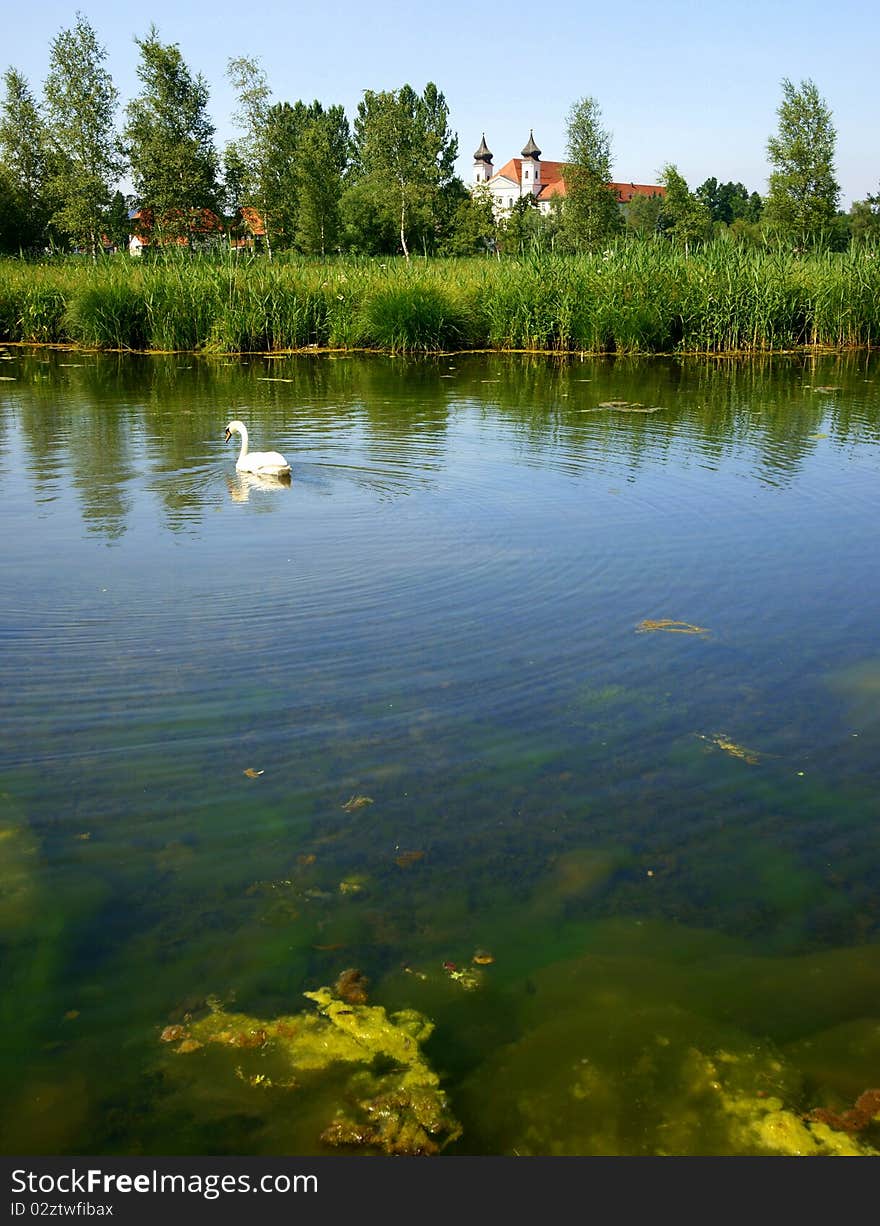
[531,150]
[483,154]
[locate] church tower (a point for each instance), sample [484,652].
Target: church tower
[531,167]
[483,170]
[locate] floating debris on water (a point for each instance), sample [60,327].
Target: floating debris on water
[306,859]
[352,885]
[356,802]
[671,626]
[408,857]
[830,388]
[251,773]
[629,406]
[737,751]
[482,957]
[172,1033]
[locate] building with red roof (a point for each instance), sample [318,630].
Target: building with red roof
[527,175]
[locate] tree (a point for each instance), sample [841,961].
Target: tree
[591,213]
[169,141]
[684,218]
[253,150]
[405,156]
[81,103]
[322,156]
[23,157]
[643,215]
[472,226]
[523,229]
[864,220]
[803,195]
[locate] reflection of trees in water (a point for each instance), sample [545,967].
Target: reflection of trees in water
[103,417]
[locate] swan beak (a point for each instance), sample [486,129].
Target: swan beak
[227,436]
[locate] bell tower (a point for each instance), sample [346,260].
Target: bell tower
[531,167]
[483,170]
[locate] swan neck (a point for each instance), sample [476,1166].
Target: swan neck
[244,442]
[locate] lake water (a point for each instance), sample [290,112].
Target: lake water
[427,649]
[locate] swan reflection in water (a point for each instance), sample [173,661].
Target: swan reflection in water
[243,483]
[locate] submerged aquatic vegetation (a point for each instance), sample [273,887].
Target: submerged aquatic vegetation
[351,986]
[865,1111]
[392,1100]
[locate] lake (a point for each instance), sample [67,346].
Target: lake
[556,724]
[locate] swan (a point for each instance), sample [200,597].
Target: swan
[264,463]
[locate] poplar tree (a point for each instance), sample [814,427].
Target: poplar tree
[803,190]
[169,138]
[322,155]
[252,153]
[591,215]
[85,160]
[23,158]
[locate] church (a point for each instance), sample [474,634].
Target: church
[528,175]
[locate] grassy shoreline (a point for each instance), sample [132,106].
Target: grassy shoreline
[635,298]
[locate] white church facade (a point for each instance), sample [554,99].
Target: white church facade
[527,175]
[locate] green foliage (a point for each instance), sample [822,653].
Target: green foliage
[864,220]
[729,202]
[473,228]
[169,142]
[636,297]
[643,216]
[413,316]
[25,167]
[683,218]
[321,161]
[404,154]
[85,162]
[591,215]
[803,195]
[524,230]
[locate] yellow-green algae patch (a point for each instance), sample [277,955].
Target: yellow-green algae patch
[391,1101]
[660,1040]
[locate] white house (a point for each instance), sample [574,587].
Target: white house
[528,175]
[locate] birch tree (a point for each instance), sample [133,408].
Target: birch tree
[80,105]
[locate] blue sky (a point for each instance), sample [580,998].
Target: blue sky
[680,81]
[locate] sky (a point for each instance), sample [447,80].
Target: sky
[694,84]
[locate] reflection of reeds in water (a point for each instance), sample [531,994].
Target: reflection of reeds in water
[644,297]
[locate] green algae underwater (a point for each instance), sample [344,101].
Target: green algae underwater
[432,715]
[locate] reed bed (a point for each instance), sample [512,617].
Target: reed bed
[634,298]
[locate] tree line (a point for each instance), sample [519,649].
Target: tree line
[300,176]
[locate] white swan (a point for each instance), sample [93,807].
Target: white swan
[264,463]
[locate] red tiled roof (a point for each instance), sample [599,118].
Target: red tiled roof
[203,222]
[252,220]
[626,191]
[553,182]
